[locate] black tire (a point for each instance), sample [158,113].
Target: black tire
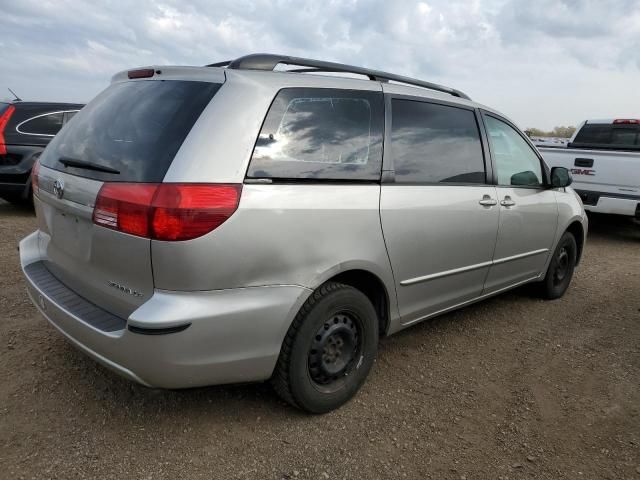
[328,350]
[560,271]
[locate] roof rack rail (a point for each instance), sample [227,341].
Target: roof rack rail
[219,64]
[267,61]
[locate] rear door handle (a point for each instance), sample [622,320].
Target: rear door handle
[487,201]
[507,202]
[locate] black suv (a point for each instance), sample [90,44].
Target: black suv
[25,129]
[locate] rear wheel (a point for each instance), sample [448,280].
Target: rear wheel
[560,271]
[329,349]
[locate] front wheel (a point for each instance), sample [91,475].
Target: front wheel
[329,349]
[560,271]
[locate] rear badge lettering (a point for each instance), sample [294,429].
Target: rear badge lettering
[124,289]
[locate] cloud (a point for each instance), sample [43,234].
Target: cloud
[543,63]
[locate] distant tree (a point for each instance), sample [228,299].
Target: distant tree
[561,132]
[535,132]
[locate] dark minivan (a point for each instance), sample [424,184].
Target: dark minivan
[25,129]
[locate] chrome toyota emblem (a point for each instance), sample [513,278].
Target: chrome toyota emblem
[58,188]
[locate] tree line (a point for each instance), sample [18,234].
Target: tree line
[561,132]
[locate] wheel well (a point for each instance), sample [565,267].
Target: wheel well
[373,288]
[578,232]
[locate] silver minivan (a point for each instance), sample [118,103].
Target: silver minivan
[248,221]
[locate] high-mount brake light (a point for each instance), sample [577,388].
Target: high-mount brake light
[4,119]
[627,121]
[165,211]
[142,73]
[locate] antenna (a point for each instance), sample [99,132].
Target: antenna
[18,99]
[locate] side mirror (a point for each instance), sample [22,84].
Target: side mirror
[560,177]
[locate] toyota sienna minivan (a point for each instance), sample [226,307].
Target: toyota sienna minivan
[236,223]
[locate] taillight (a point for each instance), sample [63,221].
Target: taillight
[165,211]
[35,170]
[125,207]
[4,119]
[626,121]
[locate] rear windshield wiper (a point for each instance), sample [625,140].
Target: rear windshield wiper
[72,162]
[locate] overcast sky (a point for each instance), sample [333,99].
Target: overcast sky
[543,63]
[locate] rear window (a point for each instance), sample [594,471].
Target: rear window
[608,135]
[321,134]
[135,128]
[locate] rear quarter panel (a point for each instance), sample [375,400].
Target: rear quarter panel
[282,234]
[292,234]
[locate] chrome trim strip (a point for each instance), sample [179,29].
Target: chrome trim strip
[38,116]
[455,271]
[446,273]
[473,300]
[520,255]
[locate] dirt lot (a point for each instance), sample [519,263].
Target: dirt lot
[510,388]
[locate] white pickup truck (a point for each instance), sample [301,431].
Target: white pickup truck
[604,158]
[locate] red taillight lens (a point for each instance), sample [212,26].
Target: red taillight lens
[627,121]
[166,211]
[125,207]
[35,170]
[4,119]
[182,212]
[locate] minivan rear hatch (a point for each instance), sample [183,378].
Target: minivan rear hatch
[128,135]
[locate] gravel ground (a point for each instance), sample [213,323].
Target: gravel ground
[511,388]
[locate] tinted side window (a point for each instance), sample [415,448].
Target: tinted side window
[594,133]
[608,134]
[435,143]
[48,124]
[516,162]
[321,134]
[625,136]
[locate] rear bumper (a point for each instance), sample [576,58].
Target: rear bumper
[15,169]
[601,202]
[17,188]
[232,335]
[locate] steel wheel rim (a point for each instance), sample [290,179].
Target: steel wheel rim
[334,349]
[562,266]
